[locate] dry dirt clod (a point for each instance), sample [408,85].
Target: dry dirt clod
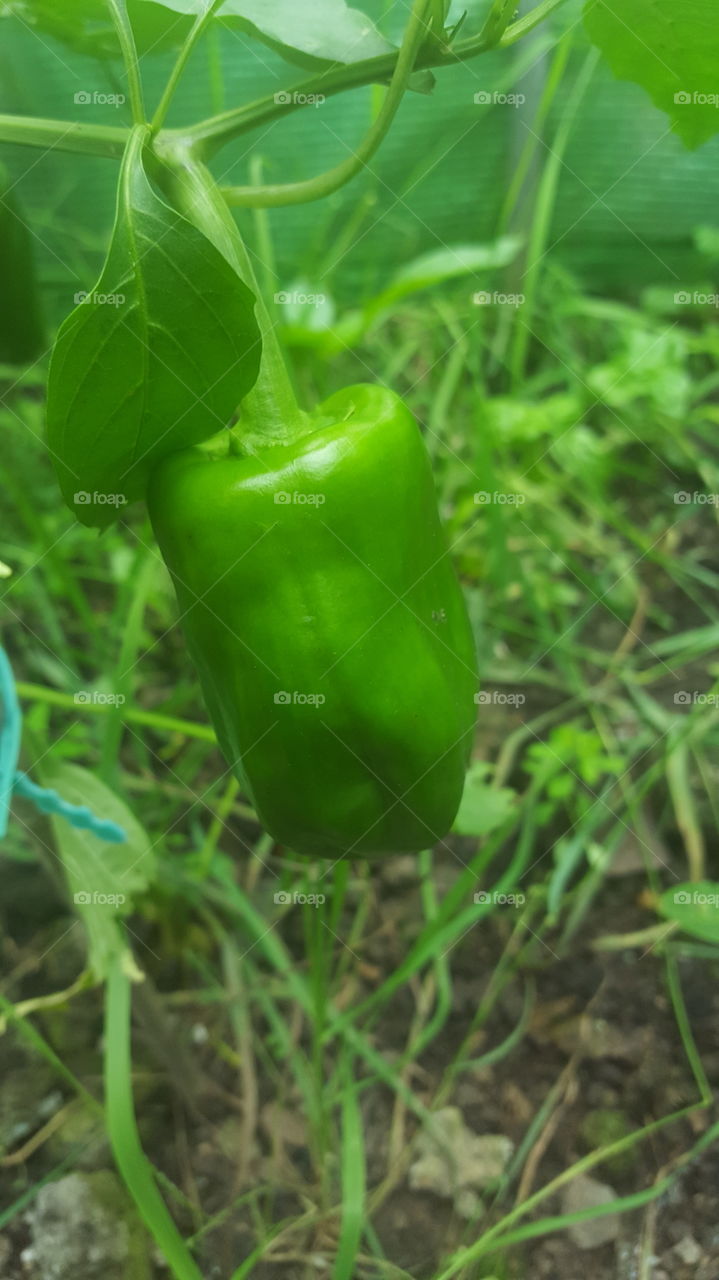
[584,1194]
[455,1163]
[84,1228]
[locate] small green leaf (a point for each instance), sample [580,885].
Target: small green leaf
[428,269]
[455,260]
[484,808]
[103,878]
[671,50]
[157,358]
[316,34]
[695,907]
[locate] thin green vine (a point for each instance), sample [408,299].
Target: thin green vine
[326,183]
[123,26]
[200,25]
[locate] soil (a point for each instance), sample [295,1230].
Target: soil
[602,1031]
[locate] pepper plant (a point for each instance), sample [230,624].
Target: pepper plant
[188,345]
[313,578]
[353,738]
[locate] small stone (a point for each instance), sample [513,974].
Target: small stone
[401,871]
[84,1228]
[467,1204]
[454,1162]
[688,1251]
[584,1194]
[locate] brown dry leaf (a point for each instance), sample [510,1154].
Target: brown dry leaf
[547,1017]
[519,1106]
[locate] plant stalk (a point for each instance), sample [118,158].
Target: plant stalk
[325,184]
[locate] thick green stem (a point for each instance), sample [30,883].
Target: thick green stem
[270,413]
[333,179]
[64,135]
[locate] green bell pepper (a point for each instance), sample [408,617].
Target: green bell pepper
[327,626]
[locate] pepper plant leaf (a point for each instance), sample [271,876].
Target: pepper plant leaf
[86,27]
[102,878]
[156,358]
[695,907]
[314,35]
[671,50]
[484,808]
